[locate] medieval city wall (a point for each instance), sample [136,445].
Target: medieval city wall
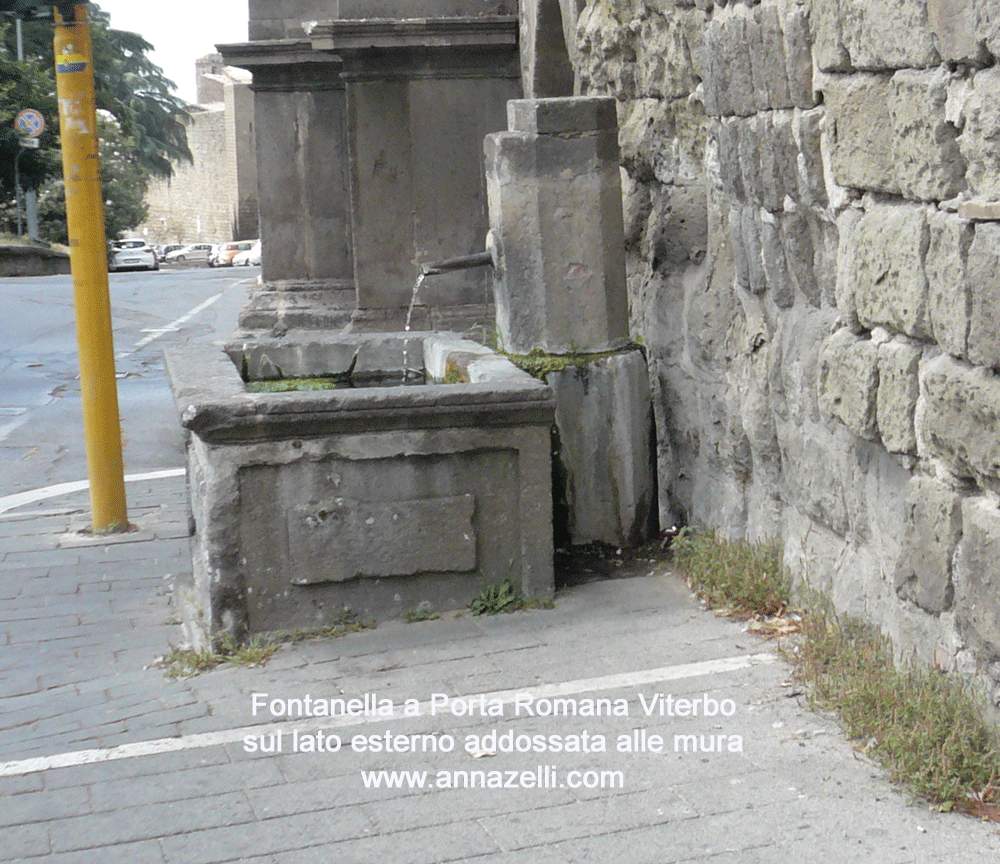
[814,266]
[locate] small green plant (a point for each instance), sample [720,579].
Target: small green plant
[345,621]
[180,663]
[495,598]
[186,662]
[454,374]
[749,579]
[415,615]
[927,728]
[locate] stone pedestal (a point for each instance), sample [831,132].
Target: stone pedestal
[606,489]
[556,209]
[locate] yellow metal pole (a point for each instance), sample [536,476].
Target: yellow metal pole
[89,263]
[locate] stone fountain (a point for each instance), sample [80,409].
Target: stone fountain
[380,498]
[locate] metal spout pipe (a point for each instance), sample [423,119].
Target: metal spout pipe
[463,262]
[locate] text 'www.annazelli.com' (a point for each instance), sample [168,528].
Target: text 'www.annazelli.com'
[542,777]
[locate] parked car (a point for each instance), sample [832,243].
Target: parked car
[224,258]
[164,251]
[248,257]
[191,252]
[131,254]
[213,255]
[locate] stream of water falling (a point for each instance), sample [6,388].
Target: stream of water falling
[409,315]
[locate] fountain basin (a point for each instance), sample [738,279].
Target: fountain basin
[380,499]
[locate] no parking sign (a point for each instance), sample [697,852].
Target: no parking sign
[29,123]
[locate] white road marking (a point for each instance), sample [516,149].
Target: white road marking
[19,499]
[156,332]
[235,736]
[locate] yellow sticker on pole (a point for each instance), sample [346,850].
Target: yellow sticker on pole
[69,61]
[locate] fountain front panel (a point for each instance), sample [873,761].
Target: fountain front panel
[380,499]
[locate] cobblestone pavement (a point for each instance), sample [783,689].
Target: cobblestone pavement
[104,759]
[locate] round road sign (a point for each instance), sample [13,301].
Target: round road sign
[29,123]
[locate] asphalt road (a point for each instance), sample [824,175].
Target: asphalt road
[41,426]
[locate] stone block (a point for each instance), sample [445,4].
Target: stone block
[750,158]
[740,264]
[752,245]
[828,36]
[953,22]
[775,67]
[977,572]
[555,206]
[988,25]
[664,49]
[959,420]
[775,265]
[677,233]
[888,34]
[848,382]
[898,389]
[662,140]
[933,527]
[862,140]
[797,240]
[980,132]
[778,174]
[730,74]
[799,60]
[984,296]
[730,172]
[604,418]
[890,287]
[948,281]
[812,176]
[847,225]
[928,163]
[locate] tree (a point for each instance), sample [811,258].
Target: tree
[127,85]
[124,182]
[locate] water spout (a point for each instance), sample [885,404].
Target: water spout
[463,262]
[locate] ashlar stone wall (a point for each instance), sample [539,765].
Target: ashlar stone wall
[812,197]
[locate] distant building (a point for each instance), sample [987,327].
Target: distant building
[214,199]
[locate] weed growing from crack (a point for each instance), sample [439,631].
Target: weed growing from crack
[504,597]
[186,662]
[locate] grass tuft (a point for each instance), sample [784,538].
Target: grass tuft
[504,597]
[927,728]
[748,579]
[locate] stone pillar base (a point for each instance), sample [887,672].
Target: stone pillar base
[604,463]
[299,304]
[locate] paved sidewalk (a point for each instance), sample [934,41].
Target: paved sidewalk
[102,759]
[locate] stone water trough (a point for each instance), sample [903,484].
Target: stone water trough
[381,499]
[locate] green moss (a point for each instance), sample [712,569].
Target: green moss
[539,364]
[286,385]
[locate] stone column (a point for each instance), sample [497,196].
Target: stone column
[556,223]
[300,128]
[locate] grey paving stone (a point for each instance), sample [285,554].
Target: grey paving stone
[266,837]
[143,852]
[147,822]
[38,806]
[23,842]
[457,842]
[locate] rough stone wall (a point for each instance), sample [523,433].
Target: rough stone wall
[214,199]
[813,249]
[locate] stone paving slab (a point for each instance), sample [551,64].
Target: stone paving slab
[76,675]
